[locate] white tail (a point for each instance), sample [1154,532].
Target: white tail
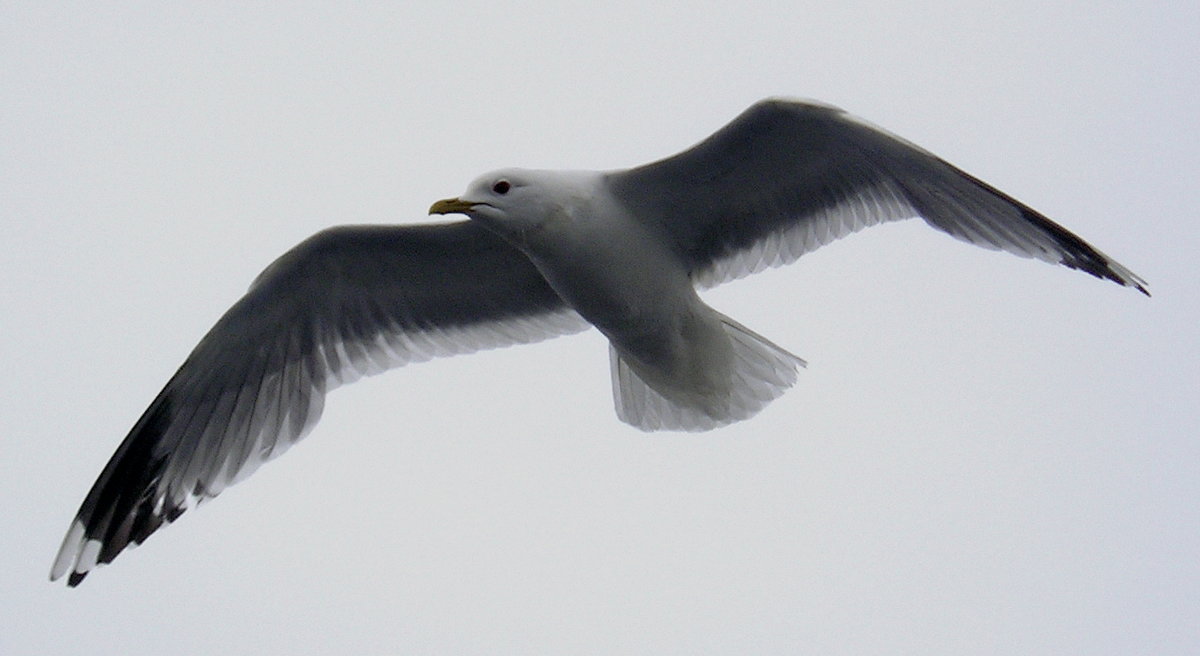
[761,372]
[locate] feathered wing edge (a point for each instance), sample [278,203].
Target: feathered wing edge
[256,383]
[852,211]
[787,177]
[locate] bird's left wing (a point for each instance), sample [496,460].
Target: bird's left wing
[348,302]
[788,177]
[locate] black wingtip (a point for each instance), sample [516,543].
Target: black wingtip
[1106,272]
[1080,255]
[1115,275]
[1104,268]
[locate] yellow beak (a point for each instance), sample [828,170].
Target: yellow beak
[451,206]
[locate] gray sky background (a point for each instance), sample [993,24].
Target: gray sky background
[986,454]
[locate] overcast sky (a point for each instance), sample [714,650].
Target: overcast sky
[986,454]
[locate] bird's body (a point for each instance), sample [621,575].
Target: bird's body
[547,253]
[678,364]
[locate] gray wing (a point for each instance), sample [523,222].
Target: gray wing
[787,177]
[347,302]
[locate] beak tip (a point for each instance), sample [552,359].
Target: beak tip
[450,206]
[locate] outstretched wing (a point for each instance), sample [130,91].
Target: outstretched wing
[786,177]
[347,302]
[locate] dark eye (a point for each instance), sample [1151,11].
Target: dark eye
[501,187]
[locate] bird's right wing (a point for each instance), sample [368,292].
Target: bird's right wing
[347,302]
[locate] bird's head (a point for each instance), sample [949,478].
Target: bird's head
[519,203]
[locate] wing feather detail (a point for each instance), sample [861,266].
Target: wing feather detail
[349,302]
[788,177]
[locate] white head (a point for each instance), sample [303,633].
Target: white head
[517,203]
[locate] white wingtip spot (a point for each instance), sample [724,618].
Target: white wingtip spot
[71,545]
[88,557]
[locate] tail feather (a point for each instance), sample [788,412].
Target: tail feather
[762,371]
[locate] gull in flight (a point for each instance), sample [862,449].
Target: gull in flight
[542,254]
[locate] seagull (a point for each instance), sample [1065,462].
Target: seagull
[543,254]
